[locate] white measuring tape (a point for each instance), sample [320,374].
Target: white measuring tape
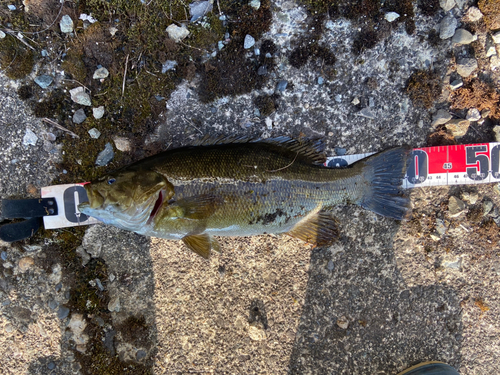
[428,166]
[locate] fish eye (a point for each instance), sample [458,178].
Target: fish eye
[111,181]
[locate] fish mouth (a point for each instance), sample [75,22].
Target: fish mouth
[94,199]
[157,205]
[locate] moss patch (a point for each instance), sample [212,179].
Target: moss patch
[266,104]
[491,12]
[423,87]
[477,94]
[16,60]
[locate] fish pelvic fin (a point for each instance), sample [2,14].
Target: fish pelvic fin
[319,229]
[384,173]
[202,244]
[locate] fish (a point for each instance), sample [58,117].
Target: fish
[245,187]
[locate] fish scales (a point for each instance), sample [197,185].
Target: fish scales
[241,189]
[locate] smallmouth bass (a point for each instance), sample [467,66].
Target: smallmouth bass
[242,188]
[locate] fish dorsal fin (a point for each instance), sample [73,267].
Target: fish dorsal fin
[201,244]
[319,229]
[309,149]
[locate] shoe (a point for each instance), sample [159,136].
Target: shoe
[430,368]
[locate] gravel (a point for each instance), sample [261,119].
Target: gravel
[447,27]
[466,66]
[66,24]
[44,80]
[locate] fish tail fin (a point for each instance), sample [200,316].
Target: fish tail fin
[384,173]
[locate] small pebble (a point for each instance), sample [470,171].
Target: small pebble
[4,255]
[30,138]
[473,14]
[441,117]
[249,42]
[63,312]
[254,4]
[453,264]
[94,133]
[2,34]
[44,53]
[105,156]
[340,151]
[114,304]
[256,51]
[220,45]
[466,66]
[53,304]
[98,112]
[177,33]
[447,5]
[343,322]
[473,114]
[282,84]
[321,80]
[79,116]
[44,81]
[455,206]
[457,83]
[494,62]
[458,127]
[391,16]
[462,36]
[496,130]
[447,27]
[490,47]
[122,144]
[25,263]
[11,7]
[51,365]
[101,73]
[66,24]
[79,96]
[496,37]
[199,9]
[355,101]
[113,30]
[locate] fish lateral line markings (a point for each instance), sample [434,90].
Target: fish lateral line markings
[477,163]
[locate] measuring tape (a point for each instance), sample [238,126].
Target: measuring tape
[443,165]
[428,166]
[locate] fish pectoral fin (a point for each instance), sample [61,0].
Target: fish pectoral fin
[198,207]
[319,229]
[201,244]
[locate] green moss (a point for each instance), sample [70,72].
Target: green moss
[491,12]
[52,105]
[15,59]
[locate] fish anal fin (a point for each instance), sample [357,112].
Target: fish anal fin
[201,244]
[319,229]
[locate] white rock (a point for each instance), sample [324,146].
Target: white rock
[122,144]
[342,322]
[458,127]
[391,16]
[473,114]
[114,304]
[496,130]
[473,14]
[447,27]
[98,112]
[66,24]
[29,138]
[355,101]
[256,331]
[77,325]
[113,30]
[447,4]
[254,4]
[466,66]
[87,17]
[78,95]
[249,42]
[489,46]
[496,37]
[101,73]
[455,207]
[2,34]
[441,117]
[199,8]
[457,83]
[94,133]
[462,36]
[177,33]
[494,62]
